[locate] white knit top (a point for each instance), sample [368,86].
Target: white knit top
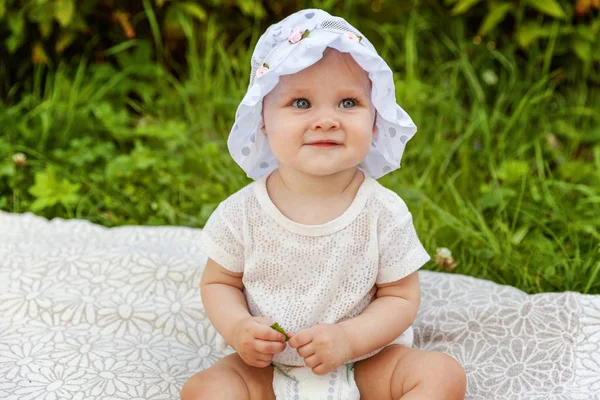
[300,275]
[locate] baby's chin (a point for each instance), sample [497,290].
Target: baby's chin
[317,170]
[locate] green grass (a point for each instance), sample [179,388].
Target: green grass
[504,171]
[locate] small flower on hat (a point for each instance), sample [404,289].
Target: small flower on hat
[262,70]
[443,258]
[353,37]
[297,36]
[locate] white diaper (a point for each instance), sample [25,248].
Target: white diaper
[300,383]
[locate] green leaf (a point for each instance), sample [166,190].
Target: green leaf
[7,169]
[16,23]
[585,32]
[529,32]
[41,203]
[519,235]
[463,6]
[251,7]
[494,17]
[494,197]
[48,191]
[578,171]
[550,7]
[45,28]
[64,40]
[280,329]
[512,171]
[582,49]
[13,42]
[193,9]
[2,8]
[64,11]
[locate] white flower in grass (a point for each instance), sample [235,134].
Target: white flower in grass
[19,159]
[443,258]
[103,274]
[111,376]
[80,304]
[82,350]
[129,313]
[179,310]
[528,317]
[519,368]
[22,359]
[198,349]
[26,301]
[474,323]
[148,346]
[52,383]
[157,274]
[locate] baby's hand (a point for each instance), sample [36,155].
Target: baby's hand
[324,347]
[256,342]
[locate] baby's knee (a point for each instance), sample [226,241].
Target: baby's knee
[450,376]
[217,382]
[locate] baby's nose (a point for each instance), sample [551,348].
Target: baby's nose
[325,124]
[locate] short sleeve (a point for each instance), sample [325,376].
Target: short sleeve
[400,250]
[222,238]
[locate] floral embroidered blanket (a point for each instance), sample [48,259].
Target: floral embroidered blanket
[90,313]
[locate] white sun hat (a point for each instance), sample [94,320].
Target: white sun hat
[294,44]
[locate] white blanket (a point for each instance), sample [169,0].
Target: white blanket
[90,313]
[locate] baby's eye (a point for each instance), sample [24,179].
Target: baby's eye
[348,103]
[301,103]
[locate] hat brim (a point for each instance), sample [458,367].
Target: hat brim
[250,148]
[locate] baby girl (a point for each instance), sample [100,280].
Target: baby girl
[315,243]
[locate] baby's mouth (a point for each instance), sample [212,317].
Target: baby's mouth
[324,143]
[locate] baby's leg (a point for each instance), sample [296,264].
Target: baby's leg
[230,378]
[399,372]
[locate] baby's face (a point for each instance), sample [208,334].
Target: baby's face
[320,120]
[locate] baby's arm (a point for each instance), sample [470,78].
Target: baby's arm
[387,317]
[223,299]
[225,304]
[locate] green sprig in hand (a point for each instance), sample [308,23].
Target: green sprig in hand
[280,329]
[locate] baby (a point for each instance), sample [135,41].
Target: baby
[316,244]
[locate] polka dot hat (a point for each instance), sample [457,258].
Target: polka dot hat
[294,44]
